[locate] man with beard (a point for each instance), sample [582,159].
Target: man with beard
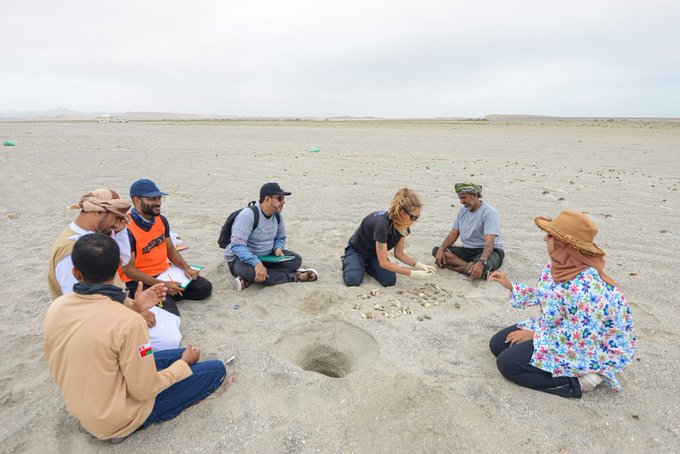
[104,211]
[151,248]
[258,239]
[479,228]
[101,211]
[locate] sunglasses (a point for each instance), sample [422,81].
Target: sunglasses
[280,198]
[412,217]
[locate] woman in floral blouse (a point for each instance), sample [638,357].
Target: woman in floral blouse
[585,332]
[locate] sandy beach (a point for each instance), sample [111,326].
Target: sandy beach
[419,379]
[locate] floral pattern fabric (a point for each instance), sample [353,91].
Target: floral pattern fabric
[585,326]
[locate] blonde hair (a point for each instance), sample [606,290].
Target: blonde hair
[405,199]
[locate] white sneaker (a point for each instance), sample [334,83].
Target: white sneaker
[589,382]
[240,284]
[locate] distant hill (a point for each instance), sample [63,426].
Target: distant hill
[56,113]
[162,116]
[64,114]
[505,117]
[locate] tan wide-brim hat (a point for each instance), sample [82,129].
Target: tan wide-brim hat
[574,228]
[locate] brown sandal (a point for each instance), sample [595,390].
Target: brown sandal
[306,275]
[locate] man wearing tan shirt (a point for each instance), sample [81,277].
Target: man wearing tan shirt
[99,352]
[104,211]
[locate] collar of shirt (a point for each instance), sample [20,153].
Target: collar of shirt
[79,231]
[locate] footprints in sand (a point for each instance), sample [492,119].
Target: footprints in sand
[318,301]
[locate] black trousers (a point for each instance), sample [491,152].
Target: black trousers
[198,289]
[471,254]
[279,272]
[354,264]
[513,363]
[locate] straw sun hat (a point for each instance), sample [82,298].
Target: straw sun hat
[573,228]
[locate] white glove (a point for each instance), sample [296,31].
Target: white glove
[420,274]
[422,266]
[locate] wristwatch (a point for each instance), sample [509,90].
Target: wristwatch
[483,262]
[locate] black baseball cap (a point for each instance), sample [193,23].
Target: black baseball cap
[272,189]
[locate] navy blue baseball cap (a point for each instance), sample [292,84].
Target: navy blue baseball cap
[145,188]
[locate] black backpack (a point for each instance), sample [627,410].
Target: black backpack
[225,233]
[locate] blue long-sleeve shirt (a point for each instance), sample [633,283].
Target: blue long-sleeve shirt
[247,244]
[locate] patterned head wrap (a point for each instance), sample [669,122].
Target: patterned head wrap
[468,188]
[103,200]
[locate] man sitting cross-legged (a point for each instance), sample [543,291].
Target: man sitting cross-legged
[98,351]
[104,211]
[152,249]
[479,228]
[250,243]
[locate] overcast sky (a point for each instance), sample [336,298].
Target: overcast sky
[322,58]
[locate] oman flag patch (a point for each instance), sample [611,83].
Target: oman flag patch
[145,350]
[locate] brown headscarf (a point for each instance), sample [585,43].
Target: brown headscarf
[103,200]
[567,262]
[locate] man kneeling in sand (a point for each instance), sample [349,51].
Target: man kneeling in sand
[479,228]
[98,351]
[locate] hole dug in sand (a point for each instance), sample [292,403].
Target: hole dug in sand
[326,361]
[333,349]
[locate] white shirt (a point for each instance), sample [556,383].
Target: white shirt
[64,269]
[165,335]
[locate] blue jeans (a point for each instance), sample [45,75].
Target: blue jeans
[354,263]
[207,377]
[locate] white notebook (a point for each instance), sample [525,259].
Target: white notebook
[175,273]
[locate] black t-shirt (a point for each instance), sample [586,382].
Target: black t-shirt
[375,227]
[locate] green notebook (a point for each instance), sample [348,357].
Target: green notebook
[275,258]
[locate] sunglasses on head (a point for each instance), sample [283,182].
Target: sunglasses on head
[413,217]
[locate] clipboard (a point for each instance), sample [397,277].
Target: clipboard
[275,258]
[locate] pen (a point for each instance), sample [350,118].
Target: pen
[178,287]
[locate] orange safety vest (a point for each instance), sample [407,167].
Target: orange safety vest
[151,252]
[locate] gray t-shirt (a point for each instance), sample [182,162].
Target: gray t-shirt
[247,243]
[473,225]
